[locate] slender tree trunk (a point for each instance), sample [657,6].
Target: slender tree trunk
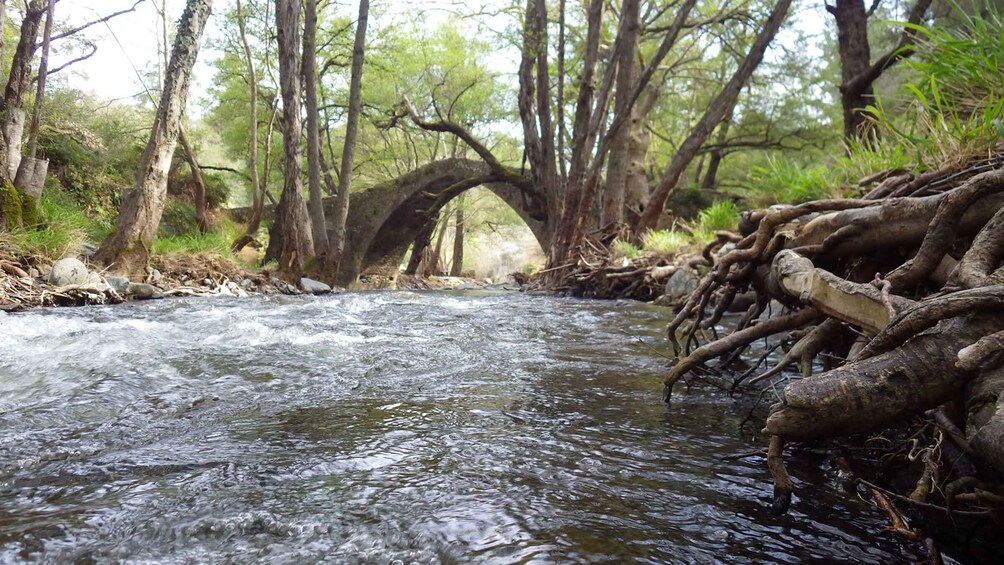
[351,130]
[436,265]
[572,214]
[199,195]
[320,229]
[43,70]
[12,114]
[458,243]
[257,199]
[612,212]
[855,58]
[719,108]
[3,27]
[419,247]
[127,250]
[560,103]
[290,241]
[715,161]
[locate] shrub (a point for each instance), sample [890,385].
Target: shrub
[621,248]
[665,243]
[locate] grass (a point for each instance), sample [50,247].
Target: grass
[621,248]
[63,230]
[664,243]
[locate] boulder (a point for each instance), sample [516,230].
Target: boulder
[88,250]
[143,291]
[680,285]
[68,271]
[118,284]
[314,287]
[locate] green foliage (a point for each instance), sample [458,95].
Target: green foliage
[664,243]
[178,219]
[63,227]
[213,242]
[789,182]
[722,215]
[621,248]
[953,107]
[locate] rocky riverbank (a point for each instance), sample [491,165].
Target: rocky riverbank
[28,281]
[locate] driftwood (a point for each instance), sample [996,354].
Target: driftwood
[900,293]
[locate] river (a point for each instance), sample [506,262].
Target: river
[385,427]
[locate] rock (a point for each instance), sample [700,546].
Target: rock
[143,291]
[314,287]
[118,284]
[246,284]
[68,271]
[33,272]
[681,285]
[466,286]
[208,282]
[94,278]
[88,250]
[155,276]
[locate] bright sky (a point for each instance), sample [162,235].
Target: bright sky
[131,40]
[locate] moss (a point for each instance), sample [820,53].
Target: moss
[31,214]
[10,207]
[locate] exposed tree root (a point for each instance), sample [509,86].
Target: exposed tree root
[898,295]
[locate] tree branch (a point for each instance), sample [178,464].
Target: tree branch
[901,51]
[102,20]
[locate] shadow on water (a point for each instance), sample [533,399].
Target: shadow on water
[369,427]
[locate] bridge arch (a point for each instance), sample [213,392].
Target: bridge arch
[384,220]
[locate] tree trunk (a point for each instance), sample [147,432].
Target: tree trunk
[855,58]
[421,245]
[710,178]
[12,107]
[290,241]
[457,268]
[349,149]
[320,229]
[199,195]
[127,250]
[612,213]
[257,198]
[436,266]
[719,108]
[43,70]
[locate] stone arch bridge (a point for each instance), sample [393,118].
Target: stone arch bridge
[385,219]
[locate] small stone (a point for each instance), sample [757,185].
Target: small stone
[118,284]
[33,272]
[94,278]
[88,250]
[247,284]
[143,291]
[156,276]
[68,271]
[314,287]
[207,282]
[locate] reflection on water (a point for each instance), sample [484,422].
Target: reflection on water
[373,427]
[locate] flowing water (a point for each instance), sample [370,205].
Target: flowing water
[384,427]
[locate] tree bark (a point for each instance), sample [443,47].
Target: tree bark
[43,71]
[127,250]
[612,213]
[457,267]
[290,241]
[436,265]
[857,73]
[349,149]
[420,247]
[719,108]
[257,198]
[199,195]
[12,107]
[319,227]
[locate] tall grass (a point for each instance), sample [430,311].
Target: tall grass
[63,230]
[952,108]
